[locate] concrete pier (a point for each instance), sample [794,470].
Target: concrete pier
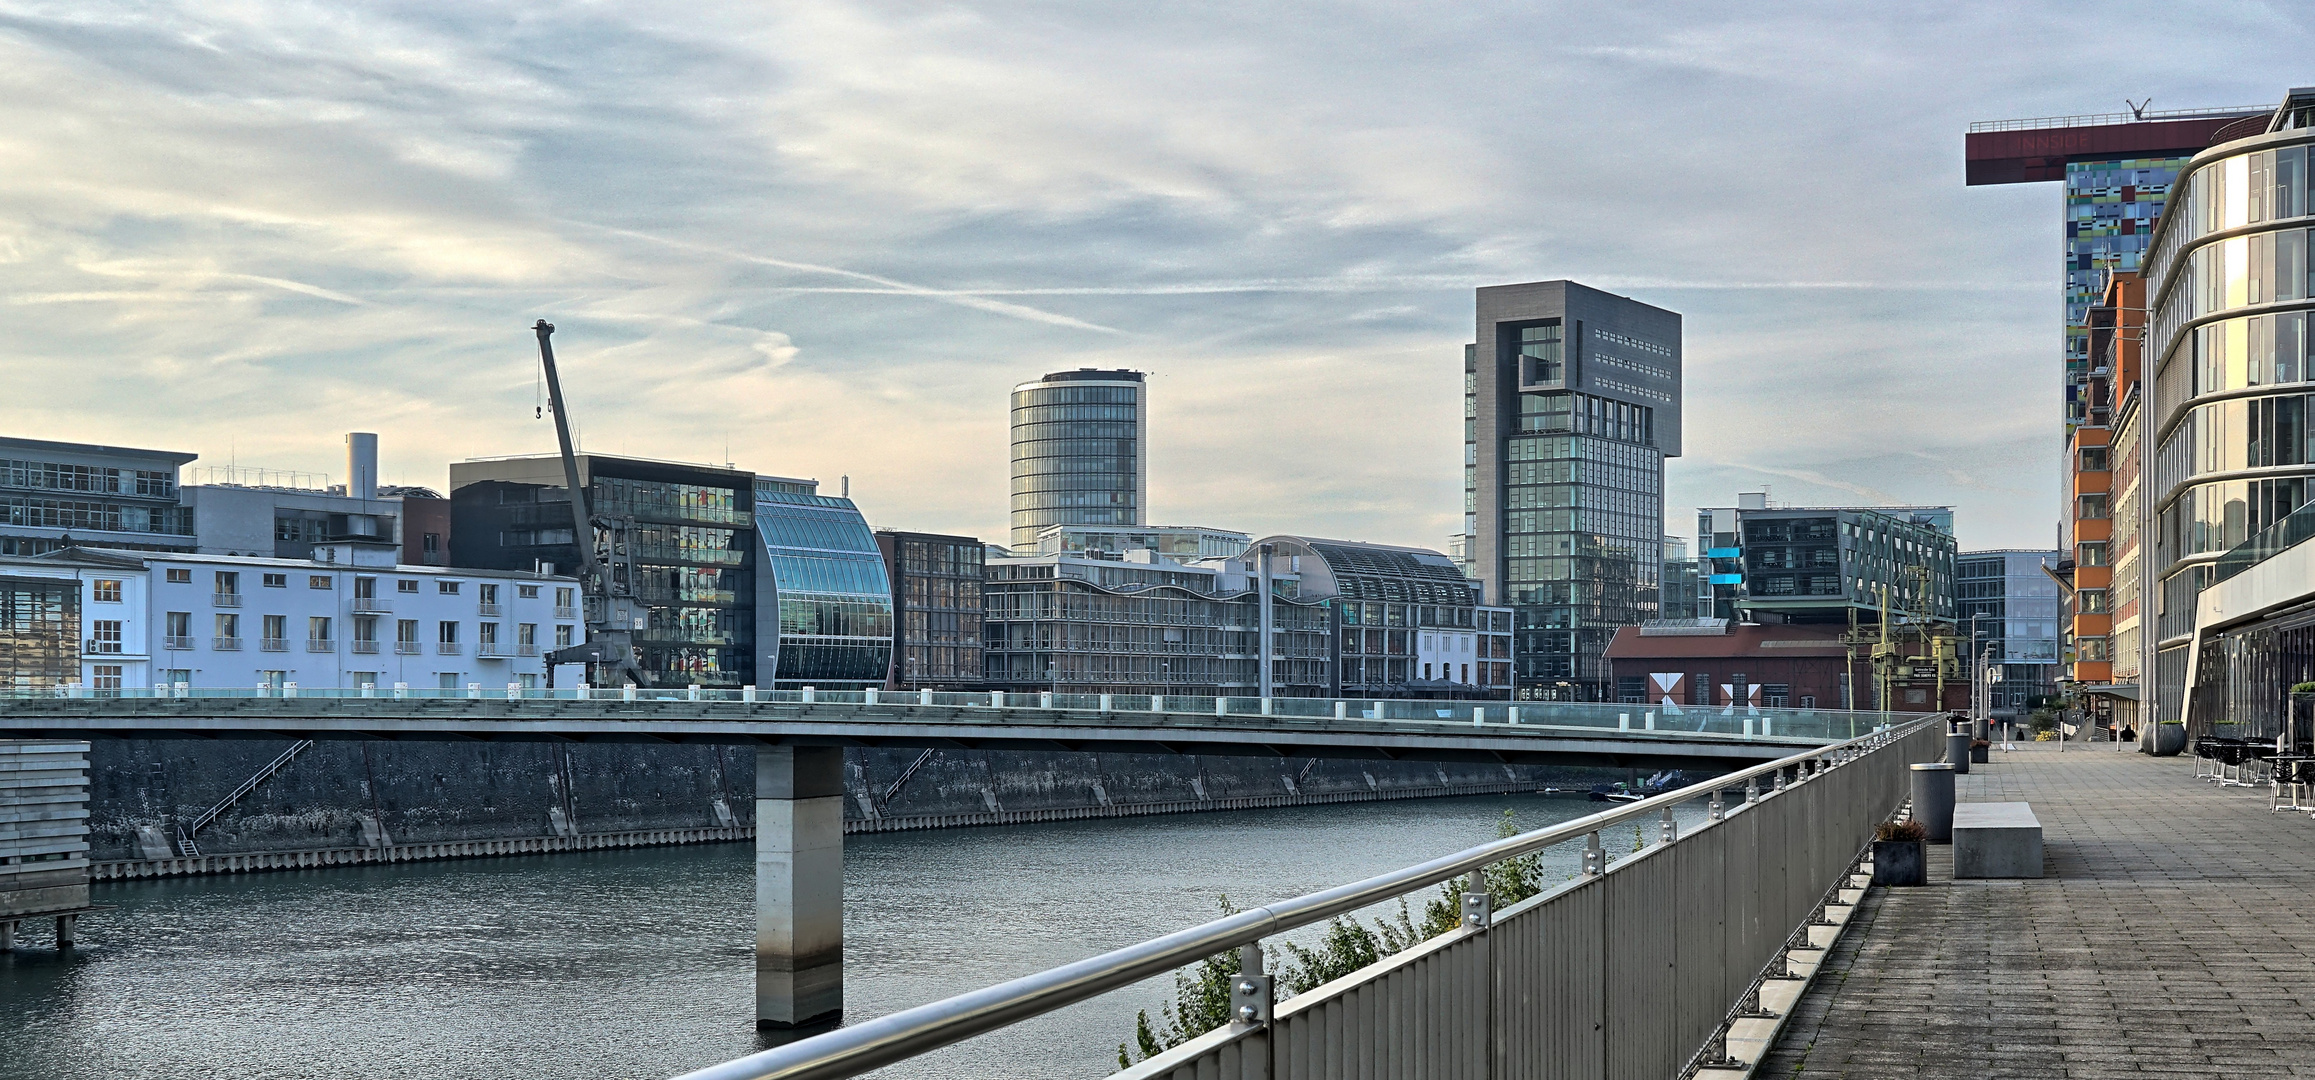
[799,886]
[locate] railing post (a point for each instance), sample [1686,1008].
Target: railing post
[1252,1002]
[1751,790]
[1595,860]
[1716,812]
[1667,830]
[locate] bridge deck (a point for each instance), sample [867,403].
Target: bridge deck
[2174,936]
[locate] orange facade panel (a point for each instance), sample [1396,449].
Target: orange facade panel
[2093,529]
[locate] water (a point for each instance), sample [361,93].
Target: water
[639,964]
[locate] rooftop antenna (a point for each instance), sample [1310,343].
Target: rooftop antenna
[2138,108]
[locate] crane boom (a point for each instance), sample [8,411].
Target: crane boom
[612,615]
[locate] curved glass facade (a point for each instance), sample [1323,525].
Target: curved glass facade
[824,588]
[1078,445]
[2229,287]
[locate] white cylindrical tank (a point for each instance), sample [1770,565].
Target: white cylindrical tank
[361,465]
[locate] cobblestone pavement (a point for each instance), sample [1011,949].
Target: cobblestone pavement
[2171,937]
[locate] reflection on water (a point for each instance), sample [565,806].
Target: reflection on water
[638,964]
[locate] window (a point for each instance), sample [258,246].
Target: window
[2092,554]
[366,628]
[365,588]
[486,634]
[446,588]
[1808,701]
[446,633]
[276,629]
[1700,688]
[229,629]
[104,636]
[364,678]
[2092,601]
[105,591]
[526,592]
[527,634]
[320,581]
[406,631]
[432,544]
[104,677]
[2092,507]
[562,597]
[2091,648]
[2094,459]
[448,680]
[179,576]
[317,629]
[228,583]
[177,676]
[277,581]
[405,585]
[563,636]
[180,625]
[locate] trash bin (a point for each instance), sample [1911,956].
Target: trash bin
[1957,751]
[1933,799]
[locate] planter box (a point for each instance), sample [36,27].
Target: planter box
[1978,755]
[1900,862]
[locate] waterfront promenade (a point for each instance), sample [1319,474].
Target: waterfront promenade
[2171,937]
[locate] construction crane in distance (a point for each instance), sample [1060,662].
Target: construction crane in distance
[612,612]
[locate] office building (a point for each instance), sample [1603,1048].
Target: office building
[1138,623]
[1783,564]
[2227,429]
[1571,403]
[1721,666]
[1080,452]
[936,609]
[1679,584]
[2129,601]
[1177,542]
[55,494]
[2009,610]
[1407,622]
[746,580]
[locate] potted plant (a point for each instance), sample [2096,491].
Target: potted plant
[1900,853]
[1978,749]
[2169,738]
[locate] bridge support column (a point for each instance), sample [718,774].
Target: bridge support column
[799,886]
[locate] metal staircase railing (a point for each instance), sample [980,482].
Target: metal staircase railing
[187,831]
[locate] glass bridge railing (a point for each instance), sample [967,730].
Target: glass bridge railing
[2296,526]
[1538,717]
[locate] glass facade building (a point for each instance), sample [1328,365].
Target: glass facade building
[2229,295]
[2111,208]
[99,496]
[937,610]
[1080,444]
[1407,622]
[2008,604]
[1810,564]
[1571,405]
[824,577]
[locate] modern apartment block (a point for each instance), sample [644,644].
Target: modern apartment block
[56,494]
[1080,452]
[937,612]
[2228,437]
[1407,622]
[287,520]
[1788,564]
[1680,583]
[1571,405]
[2010,609]
[1177,542]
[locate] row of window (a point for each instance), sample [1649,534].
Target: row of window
[275,628]
[228,583]
[96,516]
[52,476]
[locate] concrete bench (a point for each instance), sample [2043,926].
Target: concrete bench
[1996,840]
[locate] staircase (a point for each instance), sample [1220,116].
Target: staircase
[187,831]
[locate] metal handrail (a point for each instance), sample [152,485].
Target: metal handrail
[854,1050]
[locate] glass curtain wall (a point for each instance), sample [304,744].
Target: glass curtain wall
[832,597]
[1584,536]
[1077,452]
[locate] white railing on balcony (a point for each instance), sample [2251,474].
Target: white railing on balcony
[225,599]
[271,644]
[225,644]
[321,644]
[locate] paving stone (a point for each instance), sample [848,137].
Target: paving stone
[2174,936]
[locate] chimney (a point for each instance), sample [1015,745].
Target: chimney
[361,465]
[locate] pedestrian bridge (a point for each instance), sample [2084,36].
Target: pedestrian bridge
[1523,733]
[800,736]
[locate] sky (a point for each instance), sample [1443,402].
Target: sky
[826,238]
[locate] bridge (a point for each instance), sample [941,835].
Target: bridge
[800,736]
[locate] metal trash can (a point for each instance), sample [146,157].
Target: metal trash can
[1957,750]
[1933,799]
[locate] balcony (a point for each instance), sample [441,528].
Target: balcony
[225,599]
[225,644]
[526,650]
[446,648]
[365,647]
[562,612]
[321,644]
[368,604]
[489,648]
[175,642]
[490,609]
[270,644]
[406,648]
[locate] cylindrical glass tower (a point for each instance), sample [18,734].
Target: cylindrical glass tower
[1080,440]
[2233,422]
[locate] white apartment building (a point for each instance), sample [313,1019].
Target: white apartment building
[347,617]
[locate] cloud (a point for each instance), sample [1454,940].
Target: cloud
[833,235]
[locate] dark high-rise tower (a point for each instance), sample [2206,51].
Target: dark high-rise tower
[1571,405]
